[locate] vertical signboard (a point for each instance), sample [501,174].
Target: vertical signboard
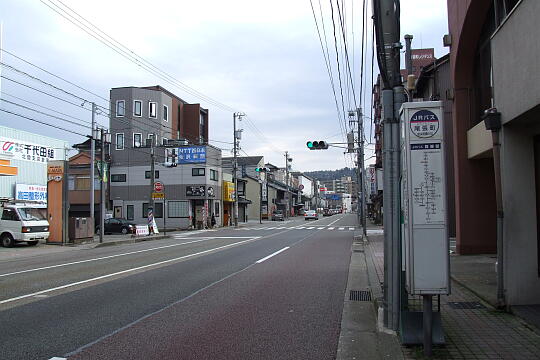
[425,234]
[57,204]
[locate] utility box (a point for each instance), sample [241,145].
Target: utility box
[423,199]
[80,229]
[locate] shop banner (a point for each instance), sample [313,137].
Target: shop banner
[31,192]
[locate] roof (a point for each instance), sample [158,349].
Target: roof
[245,160]
[427,70]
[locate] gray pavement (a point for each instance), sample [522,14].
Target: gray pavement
[202,294]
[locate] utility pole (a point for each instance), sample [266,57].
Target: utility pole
[287,194]
[360,118]
[93,134]
[102,188]
[235,166]
[152,174]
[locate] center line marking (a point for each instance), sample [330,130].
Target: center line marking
[269,256]
[331,228]
[341,228]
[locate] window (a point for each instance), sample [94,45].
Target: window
[216,208]
[165,113]
[164,141]
[178,209]
[152,136]
[118,177]
[137,108]
[120,141]
[148,173]
[120,108]
[214,175]
[137,140]
[197,172]
[152,110]
[10,214]
[158,210]
[130,212]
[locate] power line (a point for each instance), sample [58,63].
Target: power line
[41,122]
[343,31]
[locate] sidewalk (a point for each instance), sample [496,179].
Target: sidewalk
[476,332]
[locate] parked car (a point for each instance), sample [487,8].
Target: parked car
[327,212]
[311,214]
[277,215]
[119,226]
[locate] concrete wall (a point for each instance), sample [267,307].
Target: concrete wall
[515,52]
[520,232]
[517,97]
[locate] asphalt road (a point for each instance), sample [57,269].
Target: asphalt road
[272,291]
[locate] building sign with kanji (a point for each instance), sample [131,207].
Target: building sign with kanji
[191,155]
[22,150]
[31,192]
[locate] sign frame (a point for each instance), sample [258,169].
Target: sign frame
[425,244]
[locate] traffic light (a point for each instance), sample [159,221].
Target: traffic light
[262,169]
[317,145]
[350,142]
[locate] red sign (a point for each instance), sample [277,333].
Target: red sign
[158,186]
[323,189]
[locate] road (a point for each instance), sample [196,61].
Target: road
[271,291]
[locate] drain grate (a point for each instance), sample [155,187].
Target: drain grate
[360,295]
[462,305]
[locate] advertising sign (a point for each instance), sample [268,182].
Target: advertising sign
[228,191]
[198,190]
[31,192]
[22,150]
[425,236]
[264,191]
[191,155]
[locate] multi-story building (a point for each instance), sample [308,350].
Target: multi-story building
[493,54]
[145,118]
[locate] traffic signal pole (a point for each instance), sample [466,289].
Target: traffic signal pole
[361,166]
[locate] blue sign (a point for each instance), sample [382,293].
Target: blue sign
[333,196]
[191,155]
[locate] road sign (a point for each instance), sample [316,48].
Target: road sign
[301,187]
[158,186]
[158,195]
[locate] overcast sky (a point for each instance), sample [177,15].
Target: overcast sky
[261,57]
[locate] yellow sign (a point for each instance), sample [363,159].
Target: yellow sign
[156,195]
[228,191]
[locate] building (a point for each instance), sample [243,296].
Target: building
[250,203]
[492,62]
[23,163]
[146,120]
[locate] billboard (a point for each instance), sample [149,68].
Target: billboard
[31,192]
[191,155]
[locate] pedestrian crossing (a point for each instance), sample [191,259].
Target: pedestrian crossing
[329,228]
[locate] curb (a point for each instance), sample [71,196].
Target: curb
[131,241]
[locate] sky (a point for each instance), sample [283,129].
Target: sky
[262,58]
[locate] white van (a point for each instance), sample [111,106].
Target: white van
[23,223]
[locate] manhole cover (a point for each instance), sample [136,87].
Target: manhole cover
[360,295]
[466,305]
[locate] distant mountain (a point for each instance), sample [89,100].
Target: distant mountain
[325,175]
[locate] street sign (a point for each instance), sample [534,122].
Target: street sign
[158,195]
[158,186]
[301,187]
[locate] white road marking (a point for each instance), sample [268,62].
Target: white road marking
[269,256]
[375,231]
[57,358]
[321,228]
[309,228]
[123,272]
[124,254]
[333,222]
[331,228]
[351,228]
[271,228]
[301,227]
[341,228]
